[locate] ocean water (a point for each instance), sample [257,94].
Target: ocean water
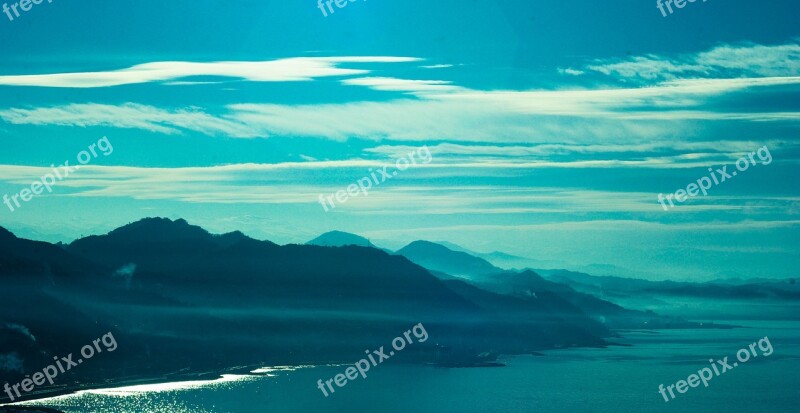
[613,380]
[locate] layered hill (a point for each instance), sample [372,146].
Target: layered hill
[440,258]
[181,299]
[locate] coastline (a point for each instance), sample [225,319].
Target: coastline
[31,403]
[137,381]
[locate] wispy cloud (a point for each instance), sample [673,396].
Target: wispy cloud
[689,151]
[726,61]
[129,116]
[403,85]
[440,111]
[417,109]
[572,72]
[423,190]
[281,70]
[439,66]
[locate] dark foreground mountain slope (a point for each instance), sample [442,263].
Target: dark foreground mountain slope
[180,299]
[39,283]
[544,313]
[365,283]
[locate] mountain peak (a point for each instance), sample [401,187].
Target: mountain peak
[530,273]
[440,258]
[427,244]
[161,229]
[231,238]
[340,239]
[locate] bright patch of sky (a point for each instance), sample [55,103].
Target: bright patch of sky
[553,126]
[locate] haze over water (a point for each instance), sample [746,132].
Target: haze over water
[617,379]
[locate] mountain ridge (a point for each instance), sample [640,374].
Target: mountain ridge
[164,285]
[438,257]
[340,239]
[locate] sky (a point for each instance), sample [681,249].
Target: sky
[551,128]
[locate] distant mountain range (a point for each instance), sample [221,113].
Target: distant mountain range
[448,259]
[721,299]
[502,259]
[720,289]
[180,301]
[597,297]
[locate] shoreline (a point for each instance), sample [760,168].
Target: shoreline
[31,402]
[136,381]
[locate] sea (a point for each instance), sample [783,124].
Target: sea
[618,379]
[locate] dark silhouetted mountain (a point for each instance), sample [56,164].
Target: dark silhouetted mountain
[181,299]
[33,259]
[160,230]
[530,284]
[340,239]
[437,257]
[547,313]
[251,301]
[231,238]
[39,286]
[6,234]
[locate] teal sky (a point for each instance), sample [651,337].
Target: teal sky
[552,127]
